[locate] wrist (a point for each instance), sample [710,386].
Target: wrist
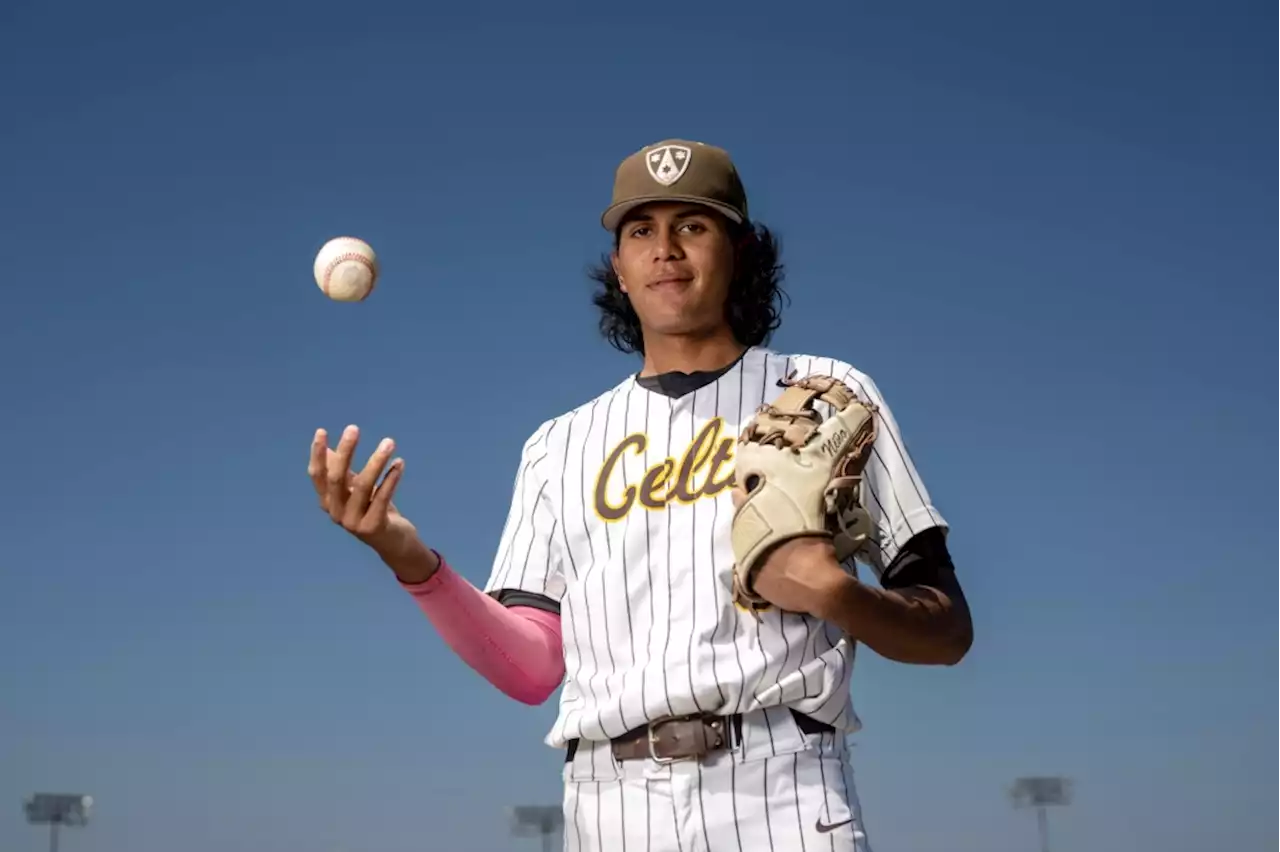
[837,601]
[815,571]
[412,562]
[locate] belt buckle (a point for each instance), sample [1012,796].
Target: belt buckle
[652,736]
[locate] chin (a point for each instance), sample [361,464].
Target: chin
[678,328]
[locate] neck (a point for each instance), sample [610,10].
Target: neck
[690,354]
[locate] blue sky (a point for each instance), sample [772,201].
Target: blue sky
[1044,230]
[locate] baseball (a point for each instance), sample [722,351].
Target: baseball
[346,269]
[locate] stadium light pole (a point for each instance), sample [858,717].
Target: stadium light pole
[56,810]
[1041,793]
[536,821]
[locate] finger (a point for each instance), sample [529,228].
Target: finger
[333,464]
[318,464]
[380,506]
[336,476]
[365,481]
[739,496]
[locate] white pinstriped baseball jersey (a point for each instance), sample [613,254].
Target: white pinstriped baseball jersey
[621,514]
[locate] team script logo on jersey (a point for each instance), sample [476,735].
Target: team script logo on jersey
[704,469]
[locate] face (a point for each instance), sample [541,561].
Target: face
[675,262]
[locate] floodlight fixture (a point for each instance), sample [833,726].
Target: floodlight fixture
[56,810]
[536,821]
[1041,793]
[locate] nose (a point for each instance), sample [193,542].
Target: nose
[667,245]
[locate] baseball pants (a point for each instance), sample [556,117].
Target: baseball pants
[778,790]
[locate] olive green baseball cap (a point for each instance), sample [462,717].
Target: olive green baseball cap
[677,170]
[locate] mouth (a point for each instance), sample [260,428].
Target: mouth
[671,281]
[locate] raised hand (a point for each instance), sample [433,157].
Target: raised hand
[361,503]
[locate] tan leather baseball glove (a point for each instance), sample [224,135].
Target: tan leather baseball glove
[802,476]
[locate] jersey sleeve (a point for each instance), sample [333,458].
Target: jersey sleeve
[527,566]
[893,492]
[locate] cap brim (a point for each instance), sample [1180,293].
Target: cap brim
[613,216]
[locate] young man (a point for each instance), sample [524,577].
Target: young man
[688,723]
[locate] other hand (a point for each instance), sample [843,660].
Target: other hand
[800,575]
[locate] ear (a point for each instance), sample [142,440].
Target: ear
[613,261]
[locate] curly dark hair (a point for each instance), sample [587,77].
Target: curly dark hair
[753,309]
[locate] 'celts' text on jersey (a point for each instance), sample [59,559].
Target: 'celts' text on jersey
[621,516]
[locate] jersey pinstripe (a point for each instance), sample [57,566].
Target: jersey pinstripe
[621,515]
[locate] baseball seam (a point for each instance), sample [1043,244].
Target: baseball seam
[333,264]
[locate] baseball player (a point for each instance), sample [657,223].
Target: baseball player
[690,719]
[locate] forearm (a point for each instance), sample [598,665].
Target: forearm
[516,649]
[919,624]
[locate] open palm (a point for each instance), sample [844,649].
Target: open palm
[361,502]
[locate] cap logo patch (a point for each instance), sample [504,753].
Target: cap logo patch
[668,163]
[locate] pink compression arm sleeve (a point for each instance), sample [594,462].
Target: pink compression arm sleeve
[517,649]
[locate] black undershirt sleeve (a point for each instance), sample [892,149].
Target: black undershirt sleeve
[923,561]
[516,597]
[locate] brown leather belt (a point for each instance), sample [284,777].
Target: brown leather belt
[688,737]
[676,738]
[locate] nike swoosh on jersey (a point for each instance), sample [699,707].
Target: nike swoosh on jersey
[823,827]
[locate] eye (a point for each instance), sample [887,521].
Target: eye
[694,227]
[638,231]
